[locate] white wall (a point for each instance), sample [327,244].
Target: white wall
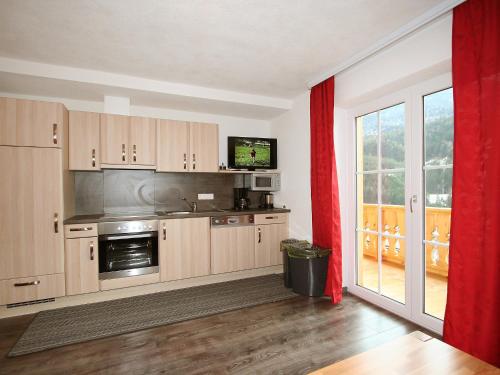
[420,56]
[228,126]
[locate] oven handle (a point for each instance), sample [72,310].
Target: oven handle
[112,238]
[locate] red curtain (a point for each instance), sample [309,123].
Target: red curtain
[472,318]
[324,188]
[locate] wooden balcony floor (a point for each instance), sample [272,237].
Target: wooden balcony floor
[393,277]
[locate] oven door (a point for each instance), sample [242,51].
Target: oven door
[128,255]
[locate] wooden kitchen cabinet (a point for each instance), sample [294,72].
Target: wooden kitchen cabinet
[267,244]
[233,248]
[82,265]
[184,248]
[84,141]
[31,123]
[142,149]
[172,146]
[114,130]
[31,203]
[31,288]
[203,147]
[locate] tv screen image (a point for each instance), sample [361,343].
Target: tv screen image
[252,152]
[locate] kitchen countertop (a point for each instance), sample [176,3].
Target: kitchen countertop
[101,218]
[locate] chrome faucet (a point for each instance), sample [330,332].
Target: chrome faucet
[192,205]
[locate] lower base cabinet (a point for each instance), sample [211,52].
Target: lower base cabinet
[184,248]
[267,244]
[233,248]
[82,265]
[31,288]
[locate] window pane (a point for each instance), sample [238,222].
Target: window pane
[367,264]
[393,188]
[393,269]
[392,126]
[436,280]
[367,139]
[367,205]
[438,187]
[438,128]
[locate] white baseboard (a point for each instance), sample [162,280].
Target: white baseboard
[135,291]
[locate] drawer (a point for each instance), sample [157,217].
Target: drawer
[271,218]
[31,288]
[80,230]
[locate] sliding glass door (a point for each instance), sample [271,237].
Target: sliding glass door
[403,172]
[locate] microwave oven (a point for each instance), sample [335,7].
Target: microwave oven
[263,181]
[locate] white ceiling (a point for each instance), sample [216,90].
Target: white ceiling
[263,47]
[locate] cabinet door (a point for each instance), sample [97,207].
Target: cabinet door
[114,139]
[184,248]
[31,123]
[173,144]
[232,248]
[267,244]
[142,141]
[203,147]
[82,265]
[84,145]
[31,232]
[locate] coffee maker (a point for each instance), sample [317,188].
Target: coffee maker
[267,200]
[241,201]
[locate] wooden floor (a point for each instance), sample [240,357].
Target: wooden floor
[292,337]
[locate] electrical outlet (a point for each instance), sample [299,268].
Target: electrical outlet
[205,197]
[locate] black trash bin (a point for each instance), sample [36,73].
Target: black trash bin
[286,260]
[308,267]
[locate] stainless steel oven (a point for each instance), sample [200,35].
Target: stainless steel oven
[127,248]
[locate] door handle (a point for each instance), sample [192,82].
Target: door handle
[413,199]
[194,162]
[54,133]
[56,223]
[123,151]
[91,250]
[260,235]
[134,147]
[164,232]
[93,157]
[36,282]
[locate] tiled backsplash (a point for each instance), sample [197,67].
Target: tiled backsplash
[115,191]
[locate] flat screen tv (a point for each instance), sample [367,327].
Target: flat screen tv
[251,153]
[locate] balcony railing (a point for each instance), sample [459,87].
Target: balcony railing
[437,235]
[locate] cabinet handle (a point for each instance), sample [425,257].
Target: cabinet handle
[260,235]
[27,283]
[271,217]
[54,133]
[185,161]
[134,152]
[80,229]
[91,250]
[56,223]
[123,151]
[164,232]
[194,162]
[93,157]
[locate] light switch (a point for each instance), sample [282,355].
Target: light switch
[205,197]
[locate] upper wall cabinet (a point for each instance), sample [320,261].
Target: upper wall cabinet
[84,145]
[128,141]
[187,147]
[31,123]
[173,146]
[204,147]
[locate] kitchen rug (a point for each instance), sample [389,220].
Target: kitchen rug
[68,325]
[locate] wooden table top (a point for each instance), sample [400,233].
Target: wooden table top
[416,353]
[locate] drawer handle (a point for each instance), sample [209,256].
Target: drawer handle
[93,157]
[29,283]
[134,152]
[80,229]
[164,232]
[271,217]
[54,133]
[260,235]
[56,223]
[91,250]
[123,151]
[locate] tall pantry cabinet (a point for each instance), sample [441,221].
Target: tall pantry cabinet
[36,188]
